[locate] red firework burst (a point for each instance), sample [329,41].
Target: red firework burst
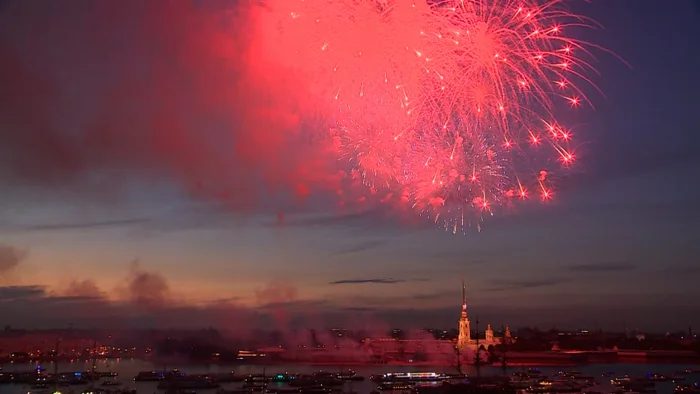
[502,63]
[448,104]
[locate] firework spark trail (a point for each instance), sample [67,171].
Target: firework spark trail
[492,125]
[448,105]
[363,63]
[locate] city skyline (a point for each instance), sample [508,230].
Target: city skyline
[81,242]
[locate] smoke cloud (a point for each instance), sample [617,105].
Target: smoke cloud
[275,293]
[10,257]
[93,94]
[83,288]
[145,288]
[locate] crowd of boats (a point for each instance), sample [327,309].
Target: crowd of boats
[318,382]
[177,382]
[41,382]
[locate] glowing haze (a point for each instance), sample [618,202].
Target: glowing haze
[442,107]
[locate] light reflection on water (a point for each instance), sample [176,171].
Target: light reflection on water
[128,368]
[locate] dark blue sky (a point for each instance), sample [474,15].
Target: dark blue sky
[617,245]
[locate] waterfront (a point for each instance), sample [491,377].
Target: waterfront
[129,368]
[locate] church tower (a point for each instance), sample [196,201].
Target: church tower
[464,328]
[489,334]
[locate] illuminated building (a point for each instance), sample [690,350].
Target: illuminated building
[466,344]
[465,333]
[465,340]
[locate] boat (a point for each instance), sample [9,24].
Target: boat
[349,374]
[313,380]
[27,377]
[283,378]
[95,391]
[318,389]
[233,391]
[258,378]
[687,388]
[411,377]
[576,375]
[314,391]
[656,377]
[282,391]
[397,387]
[106,374]
[187,383]
[628,381]
[326,379]
[256,383]
[255,388]
[302,381]
[149,376]
[531,373]
[229,377]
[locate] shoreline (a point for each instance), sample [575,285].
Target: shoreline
[442,364]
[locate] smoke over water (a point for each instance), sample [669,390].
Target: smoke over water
[95,93]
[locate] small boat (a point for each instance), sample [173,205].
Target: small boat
[233,391]
[349,375]
[149,376]
[397,387]
[687,388]
[94,391]
[657,377]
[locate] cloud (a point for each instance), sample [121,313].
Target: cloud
[308,306]
[505,285]
[85,225]
[367,217]
[682,268]
[147,289]
[21,292]
[440,295]
[385,281]
[83,288]
[144,299]
[275,293]
[359,247]
[359,309]
[356,218]
[226,300]
[612,266]
[36,292]
[36,307]
[10,257]
[630,164]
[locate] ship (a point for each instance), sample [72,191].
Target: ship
[411,377]
[149,376]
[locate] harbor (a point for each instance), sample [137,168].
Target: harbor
[122,376]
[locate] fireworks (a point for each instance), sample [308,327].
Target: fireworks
[447,104]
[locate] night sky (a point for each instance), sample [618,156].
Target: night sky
[100,223]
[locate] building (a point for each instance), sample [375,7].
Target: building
[416,348]
[39,343]
[465,340]
[465,346]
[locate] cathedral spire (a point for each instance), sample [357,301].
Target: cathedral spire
[464,296]
[464,328]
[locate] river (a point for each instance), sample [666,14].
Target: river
[128,368]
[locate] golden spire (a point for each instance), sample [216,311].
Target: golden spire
[464,295]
